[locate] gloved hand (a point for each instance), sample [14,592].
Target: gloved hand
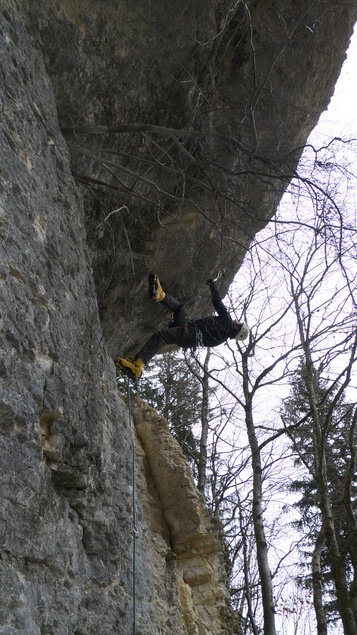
[211,284]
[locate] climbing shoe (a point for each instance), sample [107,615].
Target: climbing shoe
[156,291]
[130,368]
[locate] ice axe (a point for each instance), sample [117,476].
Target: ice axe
[218,276]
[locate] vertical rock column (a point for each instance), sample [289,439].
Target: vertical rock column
[192,533]
[65,513]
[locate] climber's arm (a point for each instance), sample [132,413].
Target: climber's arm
[216,299]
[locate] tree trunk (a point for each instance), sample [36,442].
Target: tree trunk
[202,460]
[317,584]
[258,520]
[247,582]
[320,468]
[350,515]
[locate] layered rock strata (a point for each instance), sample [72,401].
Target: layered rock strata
[186,531]
[74,256]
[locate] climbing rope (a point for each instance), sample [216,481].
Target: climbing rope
[135,530]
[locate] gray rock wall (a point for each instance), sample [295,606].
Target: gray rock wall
[64,436]
[73,281]
[66,533]
[247,80]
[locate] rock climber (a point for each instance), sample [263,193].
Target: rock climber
[207,331]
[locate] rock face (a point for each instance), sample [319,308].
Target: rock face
[249,80]
[246,81]
[183,539]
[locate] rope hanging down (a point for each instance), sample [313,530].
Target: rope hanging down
[135,530]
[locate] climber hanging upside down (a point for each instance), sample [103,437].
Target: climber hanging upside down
[208,331]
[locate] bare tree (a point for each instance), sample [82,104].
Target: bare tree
[313,333]
[205,415]
[310,306]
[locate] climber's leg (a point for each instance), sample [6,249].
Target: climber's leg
[177,308]
[133,369]
[180,336]
[156,291]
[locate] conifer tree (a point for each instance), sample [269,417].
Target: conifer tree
[336,448]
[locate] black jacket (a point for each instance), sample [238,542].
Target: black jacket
[216,329]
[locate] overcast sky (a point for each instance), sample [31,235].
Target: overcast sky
[341,115]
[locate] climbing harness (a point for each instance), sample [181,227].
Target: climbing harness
[198,336]
[135,529]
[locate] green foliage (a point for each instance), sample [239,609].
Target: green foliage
[335,419]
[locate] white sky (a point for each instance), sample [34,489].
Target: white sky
[340,120]
[341,115]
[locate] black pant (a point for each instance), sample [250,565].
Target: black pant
[178,334]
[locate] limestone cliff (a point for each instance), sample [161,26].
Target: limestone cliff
[184,540]
[77,238]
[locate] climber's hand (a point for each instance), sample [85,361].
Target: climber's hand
[211,284]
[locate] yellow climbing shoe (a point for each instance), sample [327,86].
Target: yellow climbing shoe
[130,368]
[156,291]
